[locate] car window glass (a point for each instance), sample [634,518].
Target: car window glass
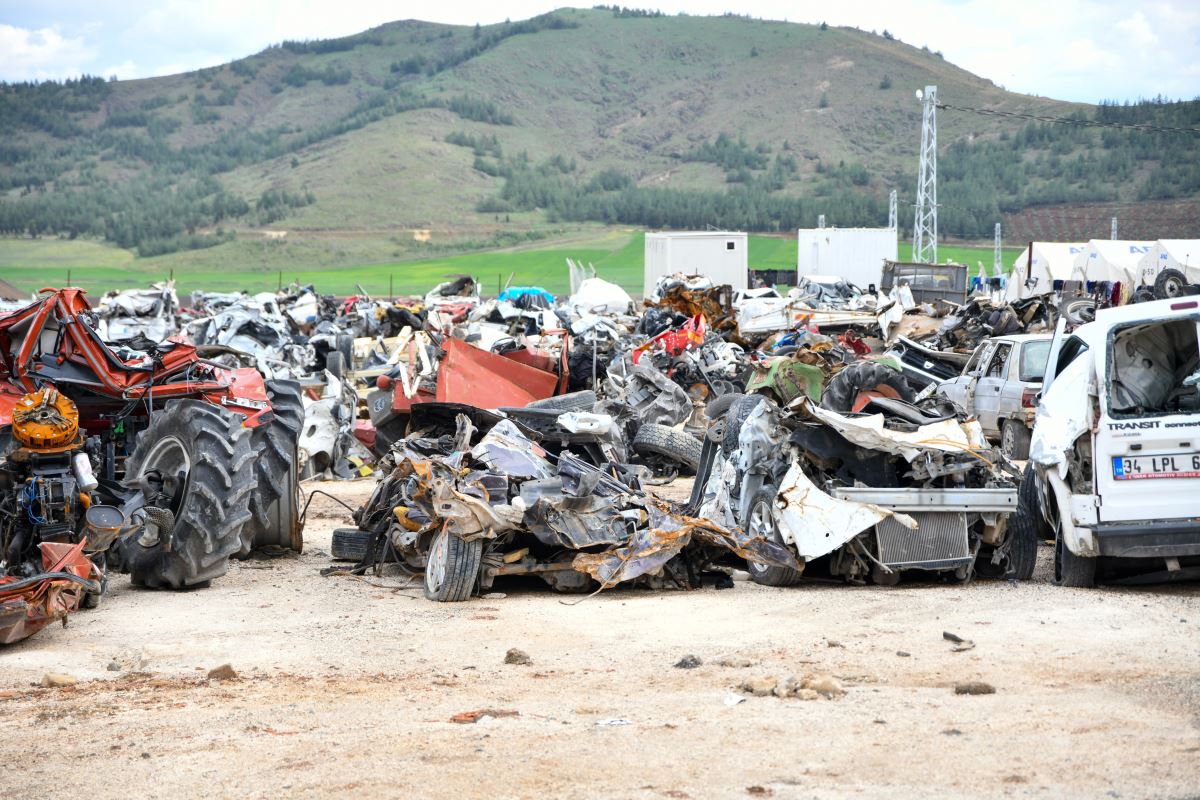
[1034,356]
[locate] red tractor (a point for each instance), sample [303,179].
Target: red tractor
[189,462]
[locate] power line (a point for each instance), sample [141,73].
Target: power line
[1091,123]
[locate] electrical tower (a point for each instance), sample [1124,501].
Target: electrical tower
[820,220]
[1113,234]
[925,224]
[893,220]
[996,254]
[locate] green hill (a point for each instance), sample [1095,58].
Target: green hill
[416,141]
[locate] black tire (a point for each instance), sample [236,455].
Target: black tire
[760,520]
[213,504]
[349,544]
[1077,309]
[1014,440]
[452,569]
[1169,284]
[1072,570]
[335,364]
[719,405]
[1144,294]
[844,387]
[575,401]
[1025,528]
[735,417]
[661,440]
[274,507]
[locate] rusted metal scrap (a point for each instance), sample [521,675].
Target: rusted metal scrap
[29,604]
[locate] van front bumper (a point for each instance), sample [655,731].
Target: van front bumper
[1157,539]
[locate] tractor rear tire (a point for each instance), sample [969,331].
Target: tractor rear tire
[274,503]
[864,376]
[211,448]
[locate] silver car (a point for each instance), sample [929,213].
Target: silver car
[1000,386]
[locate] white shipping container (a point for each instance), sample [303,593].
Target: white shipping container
[856,254]
[721,255]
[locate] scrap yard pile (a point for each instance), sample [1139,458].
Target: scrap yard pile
[829,431]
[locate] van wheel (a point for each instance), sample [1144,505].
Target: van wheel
[1072,570]
[1014,440]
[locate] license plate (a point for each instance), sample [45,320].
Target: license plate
[1176,465]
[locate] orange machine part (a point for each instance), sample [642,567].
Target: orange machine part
[45,418]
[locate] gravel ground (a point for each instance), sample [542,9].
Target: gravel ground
[349,685]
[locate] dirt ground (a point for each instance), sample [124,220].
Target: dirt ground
[349,685]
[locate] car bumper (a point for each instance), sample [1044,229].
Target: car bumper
[1160,539]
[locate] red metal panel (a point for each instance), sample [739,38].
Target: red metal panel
[486,380]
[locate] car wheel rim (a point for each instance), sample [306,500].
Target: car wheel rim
[761,525]
[1006,440]
[435,568]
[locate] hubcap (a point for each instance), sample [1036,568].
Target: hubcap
[1007,440]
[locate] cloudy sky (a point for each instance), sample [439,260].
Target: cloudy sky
[1083,50]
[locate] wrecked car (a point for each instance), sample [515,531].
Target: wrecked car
[863,494]
[999,386]
[153,313]
[487,500]
[1114,470]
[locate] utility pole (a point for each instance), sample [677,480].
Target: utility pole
[925,224]
[893,219]
[996,259]
[1113,234]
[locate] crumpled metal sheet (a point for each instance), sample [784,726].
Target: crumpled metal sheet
[947,436]
[1064,412]
[642,392]
[816,523]
[651,547]
[26,611]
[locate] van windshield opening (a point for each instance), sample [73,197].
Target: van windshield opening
[1155,369]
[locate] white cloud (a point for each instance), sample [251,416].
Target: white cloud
[126,70]
[1083,50]
[1136,30]
[40,54]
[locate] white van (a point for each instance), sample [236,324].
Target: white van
[1114,472]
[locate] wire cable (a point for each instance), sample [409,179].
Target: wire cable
[1086,123]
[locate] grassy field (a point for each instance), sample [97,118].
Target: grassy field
[616,254]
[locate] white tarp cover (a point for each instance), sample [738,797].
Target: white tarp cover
[598,296]
[1052,261]
[1180,254]
[948,436]
[817,524]
[1111,260]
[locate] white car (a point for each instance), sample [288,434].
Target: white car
[1114,472]
[1000,385]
